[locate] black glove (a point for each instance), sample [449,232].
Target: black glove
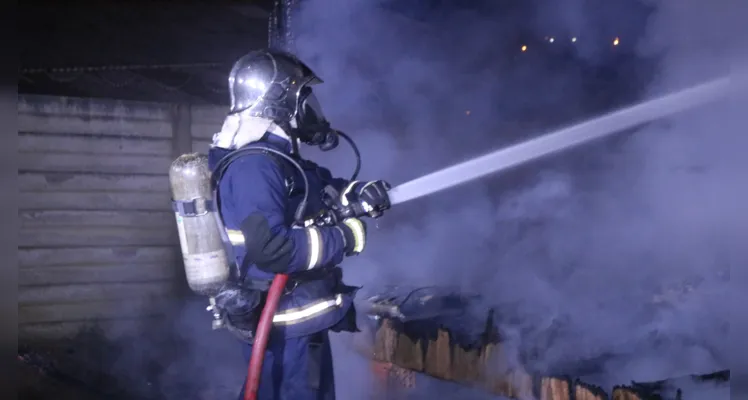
[358,199]
[365,199]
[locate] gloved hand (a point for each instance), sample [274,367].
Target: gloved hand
[366,198]
[358,199]
[354,234]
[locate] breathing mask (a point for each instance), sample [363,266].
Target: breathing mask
[312,127]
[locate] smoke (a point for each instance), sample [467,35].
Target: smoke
[612,260]
[615,256]
[698,158]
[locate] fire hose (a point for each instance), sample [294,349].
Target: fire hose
[503,159]
[254,371]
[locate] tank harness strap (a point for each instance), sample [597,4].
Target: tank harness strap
[193,208]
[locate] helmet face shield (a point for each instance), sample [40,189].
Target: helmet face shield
[311,125]
[310,109]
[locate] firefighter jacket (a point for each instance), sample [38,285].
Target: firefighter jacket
[258,196]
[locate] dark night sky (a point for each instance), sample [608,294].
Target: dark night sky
[55,36]
[60,36]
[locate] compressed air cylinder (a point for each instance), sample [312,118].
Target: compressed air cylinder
[205,261]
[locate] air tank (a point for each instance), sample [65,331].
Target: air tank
[198,223]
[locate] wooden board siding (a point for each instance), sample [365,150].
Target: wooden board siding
[97,241]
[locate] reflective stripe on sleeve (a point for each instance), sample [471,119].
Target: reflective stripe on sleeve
[344,195]
[235,237]
[315,247]
[357,227]
[314,241]
[300,314]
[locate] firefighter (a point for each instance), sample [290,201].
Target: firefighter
[274,110]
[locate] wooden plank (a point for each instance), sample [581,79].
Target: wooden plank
[201,146]
[97,256]
[98,291]
[94,145]
[38,219]
[204,130]
[585,391]
[94,201]
[625,393]
[553,388]
[211,115]
[409,352]
[94,125]
[181,135]
[98,274]
[113,164]
[438,358]
[385,341]
[96,236]
[132,308]
[66,181]
[88,107]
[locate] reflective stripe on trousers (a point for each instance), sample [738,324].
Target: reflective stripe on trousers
[297,315]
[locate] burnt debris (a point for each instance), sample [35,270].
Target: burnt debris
[462,344]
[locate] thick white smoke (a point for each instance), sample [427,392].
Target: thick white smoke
[700,156]
[613,259]
[624,260]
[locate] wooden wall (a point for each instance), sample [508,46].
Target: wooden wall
[97,240]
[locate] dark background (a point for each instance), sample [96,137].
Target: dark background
[181,52]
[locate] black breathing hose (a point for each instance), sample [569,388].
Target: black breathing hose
[301,209]
[224,164]
[355,151]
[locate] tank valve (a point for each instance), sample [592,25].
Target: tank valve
[217,322]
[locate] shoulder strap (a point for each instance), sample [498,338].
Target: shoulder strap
[219,171]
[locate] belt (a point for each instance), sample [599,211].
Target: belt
[294,280]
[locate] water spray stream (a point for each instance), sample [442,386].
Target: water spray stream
[568,137]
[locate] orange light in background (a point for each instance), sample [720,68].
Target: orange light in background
[524,48]
[616,41]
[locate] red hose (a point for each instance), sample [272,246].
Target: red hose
[261,338]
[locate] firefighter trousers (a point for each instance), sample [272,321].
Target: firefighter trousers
[296,369]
